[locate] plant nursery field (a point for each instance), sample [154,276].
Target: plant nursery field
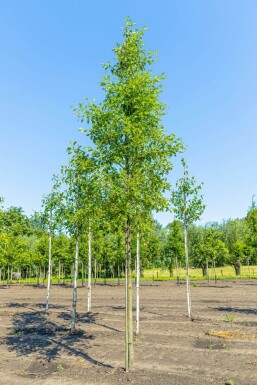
[36,347]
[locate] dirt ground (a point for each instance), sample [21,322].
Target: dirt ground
[36,347]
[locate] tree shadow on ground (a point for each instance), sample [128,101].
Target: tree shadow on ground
[35,332]
[236,310]
[87,318]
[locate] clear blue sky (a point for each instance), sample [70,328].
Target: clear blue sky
[51,54]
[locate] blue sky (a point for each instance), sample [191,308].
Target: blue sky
[51,54]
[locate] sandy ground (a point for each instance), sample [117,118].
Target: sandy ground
[36,347]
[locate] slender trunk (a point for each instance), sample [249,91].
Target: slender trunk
[89,292]
[204,271]
[129,324]
[187,276]
[118,272]
[215,275]
[249,269]
[71,274]
[74,298]
[176,262]
[137,283]
[95,273]
[11,274]
[59,273]
[105,269]
[49,270]
[152,270]
[38,275]
[82,273]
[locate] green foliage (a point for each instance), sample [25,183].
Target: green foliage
[187,202]
[130,145]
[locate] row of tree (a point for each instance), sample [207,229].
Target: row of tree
[24,246]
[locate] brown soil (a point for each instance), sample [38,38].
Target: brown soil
[36,347]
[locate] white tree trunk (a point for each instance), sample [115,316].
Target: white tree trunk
[74,299]
[137,283]
[49,270]
[89,287]
[187,276]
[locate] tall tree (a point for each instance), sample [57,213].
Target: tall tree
[130,143]
[188,208]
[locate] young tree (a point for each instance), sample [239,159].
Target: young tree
[188,208]
[50,203]
[130,143]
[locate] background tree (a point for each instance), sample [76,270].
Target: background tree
[188,208]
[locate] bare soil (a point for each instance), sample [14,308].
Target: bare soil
[37,348]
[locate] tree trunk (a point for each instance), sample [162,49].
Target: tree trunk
[105,270]
[204,270]
[49,270]
[129,359]
[59,272]
[118,272]
[178,277]
[187,275]
[74,298]
[215,275]
[95,272]
[89,292]
[137,283]
[29,274]
[237,270]
[82,273]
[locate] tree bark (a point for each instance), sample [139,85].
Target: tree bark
[237,270]
[176,262]
[82,273]
[187,275]
[129,359]
[49,270]
[118,272]
[95,272]
[59,272]
[74,298]
[89,288]
[137,283]
[204,271]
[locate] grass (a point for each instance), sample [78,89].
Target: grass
[222,273]
[225,272]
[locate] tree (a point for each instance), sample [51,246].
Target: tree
[130,144]
[49,203]
[188,208]
[174,248]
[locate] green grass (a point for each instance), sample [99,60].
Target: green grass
[225,272]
